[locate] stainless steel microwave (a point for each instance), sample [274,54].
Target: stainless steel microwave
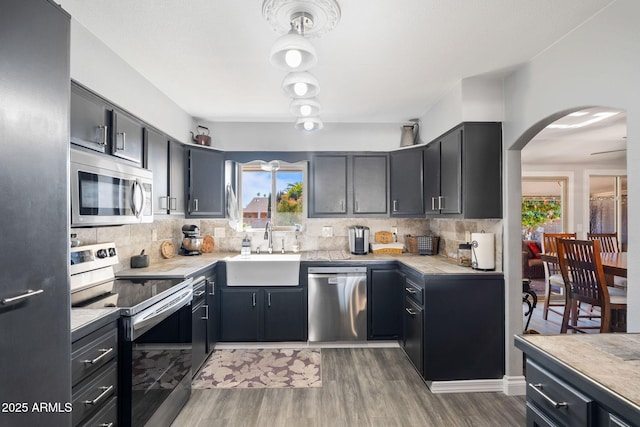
[107,192]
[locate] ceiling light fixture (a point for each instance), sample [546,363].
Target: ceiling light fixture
[304,107]
[597,117]
[294,53]
[300,84]
[309,124]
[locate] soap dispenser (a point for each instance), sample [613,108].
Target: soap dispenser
[245,251]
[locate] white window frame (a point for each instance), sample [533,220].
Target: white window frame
[256,165]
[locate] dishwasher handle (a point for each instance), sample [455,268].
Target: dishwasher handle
[336,270]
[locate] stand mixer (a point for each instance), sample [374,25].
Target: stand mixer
[192,242]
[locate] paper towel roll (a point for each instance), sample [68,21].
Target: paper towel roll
[483,251]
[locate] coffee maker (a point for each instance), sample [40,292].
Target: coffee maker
[359,240]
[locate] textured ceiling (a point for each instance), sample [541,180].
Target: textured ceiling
[386,61]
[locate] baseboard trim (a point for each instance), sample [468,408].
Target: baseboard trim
[515,386]
[307,344]
[465,386]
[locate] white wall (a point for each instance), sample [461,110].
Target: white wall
[597,64]
[238,136]
[97,67]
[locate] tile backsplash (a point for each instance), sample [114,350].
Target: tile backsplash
[316,234]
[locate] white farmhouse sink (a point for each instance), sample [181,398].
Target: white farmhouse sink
[263,270]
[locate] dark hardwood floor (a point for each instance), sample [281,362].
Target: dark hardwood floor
[360,387]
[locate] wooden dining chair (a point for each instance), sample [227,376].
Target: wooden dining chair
[608,241]
[581,269]
[553,276]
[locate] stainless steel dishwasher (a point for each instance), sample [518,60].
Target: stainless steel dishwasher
[337,303]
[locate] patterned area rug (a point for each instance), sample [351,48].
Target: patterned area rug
[257,368]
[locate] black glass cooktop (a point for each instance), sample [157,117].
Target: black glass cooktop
[132,295]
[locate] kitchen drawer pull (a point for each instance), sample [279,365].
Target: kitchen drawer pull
[206,312]
[163,202]
[27,294]
[198,293]
[173,204]
[105,133]
[195,205]
[433,203]
[253,299]
[104,352]
[440,198]
[411,311]
[105,391]
[105,425]
[269,299]
[124,141]
[538,389]
[412,291]
[395,206]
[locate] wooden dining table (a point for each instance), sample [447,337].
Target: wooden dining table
[613,263]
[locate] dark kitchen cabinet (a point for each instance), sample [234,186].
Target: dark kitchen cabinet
[199,323]
[369,184]
[213,301]
[406,193]
[165,158]
[284,314]
[463,327]
[35,342]
[239,314]
[90,120]
[413,323]
[127,137]
[346,185]
[329,184]
[463,172]
[383,299]
[205,183]
[263,314]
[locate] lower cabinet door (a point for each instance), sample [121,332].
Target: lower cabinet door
[239,314]
[413,342]
[284,314]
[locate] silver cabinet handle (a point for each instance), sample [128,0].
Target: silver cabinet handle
[105,425]
[433,203]
[269,299]
[163,202]
[206,312]
[195,205]
[213,288]
[411,311]
[104,352]
[253,299]
[105,133]
[538,389]
[440,199]
[198,293]
[342,205]
[105,391]
[395,206]
[27,294]
[173,203]
[124,141]
[412,291]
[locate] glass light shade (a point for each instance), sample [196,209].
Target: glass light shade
[309,124]
[293,52]
[294,83]
[304,107]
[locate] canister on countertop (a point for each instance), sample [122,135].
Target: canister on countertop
[464,255]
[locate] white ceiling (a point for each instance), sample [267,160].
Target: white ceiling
[385,62]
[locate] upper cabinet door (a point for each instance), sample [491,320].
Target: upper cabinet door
[176,178]
[127,137]
[206,183]
[432,197]
[157,162]
[451,173]
[90,120]
[406,183]
[370,184]
[329,184]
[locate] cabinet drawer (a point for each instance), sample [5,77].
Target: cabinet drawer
[536,418]
[107,416]
[90,396]
[414,291]
[93,351]
[557,399]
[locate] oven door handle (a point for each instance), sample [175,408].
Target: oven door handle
[156,315]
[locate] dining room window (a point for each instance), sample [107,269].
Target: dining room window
[608,206]
[543,206]
[272,192]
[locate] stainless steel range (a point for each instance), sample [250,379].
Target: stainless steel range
[155,350]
